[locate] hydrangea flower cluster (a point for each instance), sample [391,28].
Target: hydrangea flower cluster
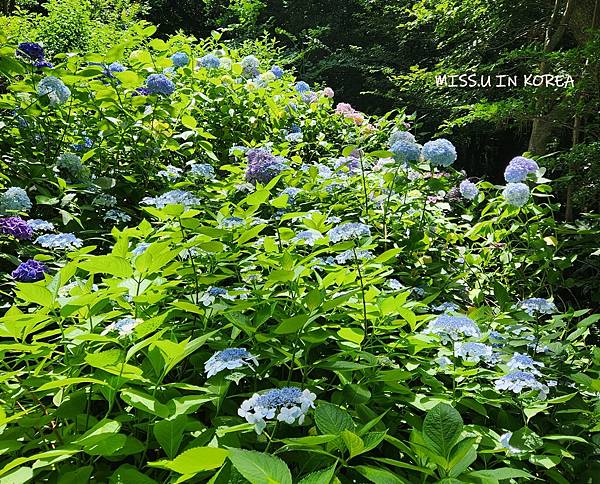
[348,231]
[537,305]
[123,326]
[54,89]
[445,307]
[29,271]
[117,216]
[33,53]
[66,241]
[405,150]
[209,61]
[232,222]
[349,112]
[202,170]
[263,166]
[309,236]
[291,192]
[277,72]
[439,152]
[228,359]
[160,84]
[116,67]
[453,328]
[212,293]
[520,361]
[468,190]
[171,173]
[15,199]
[301,87]
[350,255]
[517,381]
[473,352]
[519,168]
[70,163]
[104,200]
[180,59]
[400,135]
[516,194]
[38,225]
[172,197]
[16,227]
[288,404]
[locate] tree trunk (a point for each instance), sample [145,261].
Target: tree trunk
[541,130]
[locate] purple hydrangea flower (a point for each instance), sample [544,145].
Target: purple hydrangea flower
[518,169]
[17,227]
[141,91]
[263,166]
[30,271]
[31,50]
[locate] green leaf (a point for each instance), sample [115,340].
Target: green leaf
[260,468]
[442,428]
[145,402]
[331,419]
[526,439]
[107,264]
[188,121]
[194,460]
[18,476]
[353,442]
[101,431]
[379,476]
[319,477]
[500,474]
[127,474]
[34,293]
[169,433]
[292,325]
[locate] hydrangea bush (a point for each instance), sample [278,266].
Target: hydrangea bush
[189,293]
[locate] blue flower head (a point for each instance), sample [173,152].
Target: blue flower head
[117,67]
[263,166]
[31,51]
[405,150]
[54,89]
[228,359]
[348,231]
[519,168]
[277,71]
[399,135]
[15,199]
[301,87]
[468,190]
[516,194]
[16,227]
[202,170]
[160,84]
[66,241]
[439,152]
[172,197]
[250,62]
[453,328]
[210,61]
[180,59]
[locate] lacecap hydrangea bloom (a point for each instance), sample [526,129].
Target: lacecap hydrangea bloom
[445,307]
[309,236]
[104,200]
[160,84]
[209,61]
[228,359]
[517,381]
[15,199]
[172,197]
[348,231]
[123,326]
[116,215]
[56,90]
[38,225]
[180,59]
[288,404]
[537,305]
[439,152]
[171,173]
[519,168]
[351,255]
[30,271]
[520,361]
[472,352]
[15,227]
[468,189]
[516,194]
[232,222]
[263,166]
[212,293]
[453,328]
[66,241]
[202,170]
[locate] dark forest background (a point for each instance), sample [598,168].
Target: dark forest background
[383,55]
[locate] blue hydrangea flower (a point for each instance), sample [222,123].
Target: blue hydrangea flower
[516,194]
[263,166]
[141,91]
[212,293]
[140,248]
[250,62]
[172,197]
[15,227]
[202,170]
[294,137]
[445,307]
[29,271]
[517,381]
[116,216]
[406,150]
[38,225]
[54,89]
[351,255]
[309,97]
[15,199]
[468,189]
[289,404]
[453,328]
[104,200]
[439,152]
[66,241]
[228,359]
[309,236]
[210,61]
[180,59]
[277,71]
[348,231]
[520,361]
[399,135]
[518,169]
[170,173]
[232,222]
[301,87]
[31,51]
[123,326]
[395,285]
[116,67]
[292,193]
[160,84]
[537,305]
[472,352]
[351,163]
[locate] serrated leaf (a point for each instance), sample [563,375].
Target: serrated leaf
[331,419]
[442,428]
[260,468]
